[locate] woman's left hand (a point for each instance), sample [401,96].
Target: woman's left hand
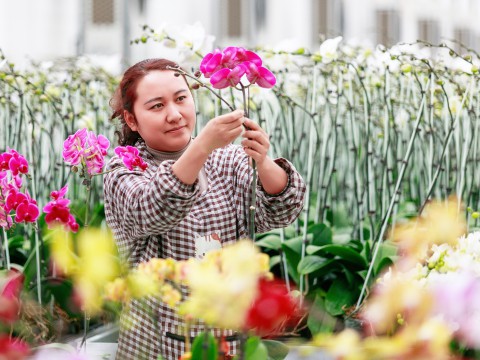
[256,141]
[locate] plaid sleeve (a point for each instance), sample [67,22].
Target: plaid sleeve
[272,211]
[147,203]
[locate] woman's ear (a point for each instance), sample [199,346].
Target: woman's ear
[130,120]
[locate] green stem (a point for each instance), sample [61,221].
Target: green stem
[7,251]
[253,185]
[392,201]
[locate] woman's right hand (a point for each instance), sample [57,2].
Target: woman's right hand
[221,131]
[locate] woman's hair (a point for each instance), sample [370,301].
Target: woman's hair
[126,94]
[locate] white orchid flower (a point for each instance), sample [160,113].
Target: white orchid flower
[329,49]
[190,39]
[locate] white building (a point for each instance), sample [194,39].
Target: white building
[44,29]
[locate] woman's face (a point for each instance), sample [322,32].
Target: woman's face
[164,111]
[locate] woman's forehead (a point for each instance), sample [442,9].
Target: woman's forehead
[160,81]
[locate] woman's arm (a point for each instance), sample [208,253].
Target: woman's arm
[218,132]
[256,144]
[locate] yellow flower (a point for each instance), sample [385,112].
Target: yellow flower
[345,345]
[170,295]
[224,284]
[117,290]
[141,285]
[441,222]
[62,251]
[95,265]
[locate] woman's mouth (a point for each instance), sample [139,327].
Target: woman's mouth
[175,129]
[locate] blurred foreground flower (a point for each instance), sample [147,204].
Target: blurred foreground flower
[441,222]
[12,348]
[95,264]
[10,286]
[272,308]
[223,285]
[430,298]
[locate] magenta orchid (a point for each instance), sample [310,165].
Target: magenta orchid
[226,68]
[129,155]
[58,212]
[12,166]
[13,161]
[86,149]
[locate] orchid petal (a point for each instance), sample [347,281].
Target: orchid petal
[219,79]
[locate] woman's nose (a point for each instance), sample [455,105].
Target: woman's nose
[173,114]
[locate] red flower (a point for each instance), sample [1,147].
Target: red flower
[13,349]
[9,297]
[57,211]
[272,308]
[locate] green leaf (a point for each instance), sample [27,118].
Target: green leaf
[270,242]
[200,352]
[274,260]
[276,349]
[293,252]
[319,320]
[322,234]
[344,252]
[339,295]
[386,256]
[310,263]
[383,264]
[254,349]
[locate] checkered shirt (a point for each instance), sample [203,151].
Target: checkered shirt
[153,214]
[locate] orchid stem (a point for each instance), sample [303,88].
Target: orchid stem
[7,251]
[253,188]
[182,72]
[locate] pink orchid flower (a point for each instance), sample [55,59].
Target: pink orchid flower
[27,211]
[58,212]
[14,199]
[17,163]
[226,77]
[226,68]
[4,159]
[84,147]
[211,63]
[129,155]
[5,219]
[13,161]
[259,75]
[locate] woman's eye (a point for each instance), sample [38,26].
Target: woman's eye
[157,106]
[181,98]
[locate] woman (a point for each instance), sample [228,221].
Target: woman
[192,197]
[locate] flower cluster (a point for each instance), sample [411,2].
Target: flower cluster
[130,157]
[12,199]
[429,299]
[231,288]
[86,149]
[58,212]
[157,277]
[226,68]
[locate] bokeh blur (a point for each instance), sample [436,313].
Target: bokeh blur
[103,29]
